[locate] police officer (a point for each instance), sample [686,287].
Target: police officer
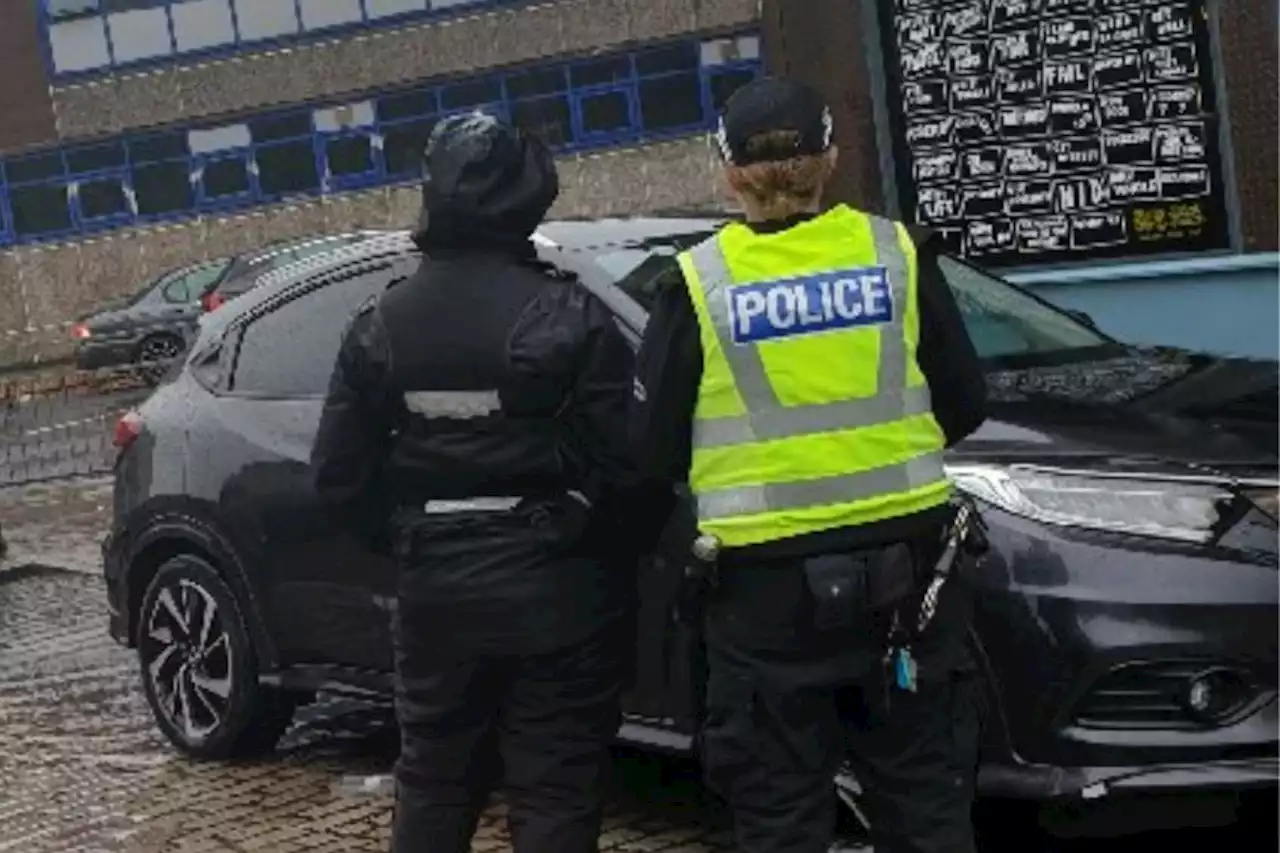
[481,405]
[805,373]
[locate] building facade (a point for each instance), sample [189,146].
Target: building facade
[1036,135]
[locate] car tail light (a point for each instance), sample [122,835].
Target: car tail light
[80,332]
[128,428]
[213,301]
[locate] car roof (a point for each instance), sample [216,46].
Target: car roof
[568,235]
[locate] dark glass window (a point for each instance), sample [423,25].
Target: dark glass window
[470,94]
[290,352]
[547,118]
[39,209]
[403,145]
[102,197]
[349,155]
[406,105]
[680,57]
[605,112]
[226,177]
[542,81]
[671,101]
[34,168]
[150,148]
[95,159]
[613,70]
[287,168]
[162,188]
[723,85]
[280,127]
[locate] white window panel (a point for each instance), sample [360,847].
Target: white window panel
[385,8]
[219,138]
[259,19]
[139,34]
[328,13]
[201,24]
[720,51]
[78,45]
[345,116]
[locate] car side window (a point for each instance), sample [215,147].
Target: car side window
[290,351]
[189,287]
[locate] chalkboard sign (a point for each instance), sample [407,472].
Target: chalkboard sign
[1037,131]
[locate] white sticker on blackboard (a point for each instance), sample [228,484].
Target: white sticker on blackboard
[983,237]
[1185,182]
[1043,234]
[1098,230]
[1176,143]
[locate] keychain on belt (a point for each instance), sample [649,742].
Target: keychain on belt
[899,652]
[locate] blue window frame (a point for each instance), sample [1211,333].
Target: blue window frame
[664,90]
[86,37]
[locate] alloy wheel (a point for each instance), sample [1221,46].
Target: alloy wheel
[187,654]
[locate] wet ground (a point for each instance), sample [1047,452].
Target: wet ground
[83,769]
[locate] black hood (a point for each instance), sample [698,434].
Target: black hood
[485,184]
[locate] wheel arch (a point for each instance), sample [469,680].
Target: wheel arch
[171,536]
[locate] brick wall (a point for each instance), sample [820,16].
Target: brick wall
[26,112]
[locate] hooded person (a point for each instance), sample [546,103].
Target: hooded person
[476,415]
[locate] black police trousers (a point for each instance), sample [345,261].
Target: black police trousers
[789,703]
[542,722]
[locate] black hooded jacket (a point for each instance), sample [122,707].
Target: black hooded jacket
[488,373]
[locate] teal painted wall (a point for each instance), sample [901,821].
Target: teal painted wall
[1228,305]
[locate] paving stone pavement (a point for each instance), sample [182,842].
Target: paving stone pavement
[84,770]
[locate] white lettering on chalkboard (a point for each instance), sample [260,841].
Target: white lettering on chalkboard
[979,202]
[938,204]
[1067,77]
[1171,62]
[1133,184]
[980,163]
[1018,84]
[925,95]
[1067,37]
[1084,193]
[1118,29]
[1006,12]
[1021,122]
[1170,22]
[1175,102]
[1043,234]
[972,92]
[1176,143]
[1040,127]
[966,20]
[1022,161]
[1098,231]
[1016,48]
[988,237]
[1185,182]
[930,132]
[1121,108]
[935,167]
[1022,197]
[1076,154]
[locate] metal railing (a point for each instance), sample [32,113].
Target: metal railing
[59,424]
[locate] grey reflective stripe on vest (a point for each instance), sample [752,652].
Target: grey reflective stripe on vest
[453,404]
[444,507]
[768,419]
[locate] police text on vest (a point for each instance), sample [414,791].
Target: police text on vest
[841,299]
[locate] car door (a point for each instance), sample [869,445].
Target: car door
[326,596]
[666,691]
[172,305]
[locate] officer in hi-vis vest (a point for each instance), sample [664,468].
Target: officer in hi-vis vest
[805,376]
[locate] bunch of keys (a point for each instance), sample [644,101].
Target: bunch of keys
[904,664]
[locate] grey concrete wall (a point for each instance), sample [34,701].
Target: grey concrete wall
[382,58]
[43,287]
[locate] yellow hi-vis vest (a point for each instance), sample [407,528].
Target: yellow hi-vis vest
[812,412]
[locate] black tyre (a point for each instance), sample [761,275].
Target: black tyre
[199,669]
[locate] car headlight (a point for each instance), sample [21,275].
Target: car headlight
[1184,511]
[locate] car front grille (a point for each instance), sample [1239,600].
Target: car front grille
[1171,695]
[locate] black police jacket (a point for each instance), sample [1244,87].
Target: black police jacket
[487,374]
